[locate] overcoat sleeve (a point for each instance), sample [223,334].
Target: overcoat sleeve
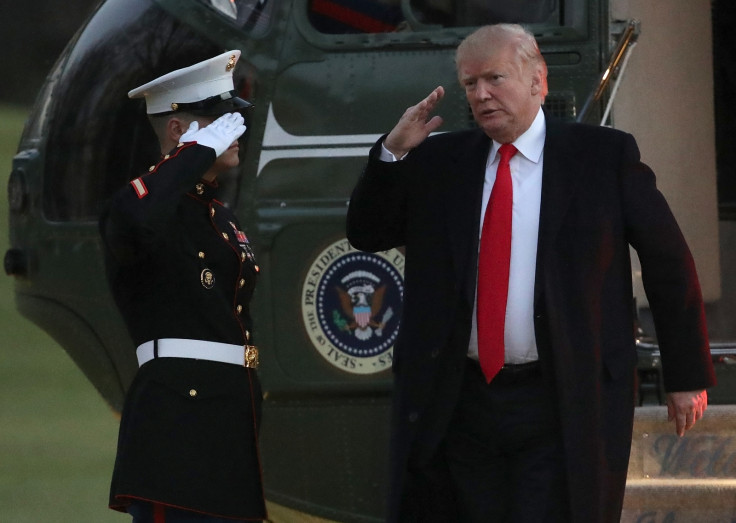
[376,218]
[669,278]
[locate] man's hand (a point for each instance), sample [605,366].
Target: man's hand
[219,135]
[414,126]
[686,408]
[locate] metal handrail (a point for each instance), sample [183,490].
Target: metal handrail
[625,43]
[718,349]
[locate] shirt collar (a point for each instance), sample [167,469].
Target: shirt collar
[531,142]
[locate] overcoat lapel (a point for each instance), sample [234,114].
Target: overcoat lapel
[464,194]
[562,167]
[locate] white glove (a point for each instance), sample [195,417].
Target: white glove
[219,135]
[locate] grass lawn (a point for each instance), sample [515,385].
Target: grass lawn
[57,435]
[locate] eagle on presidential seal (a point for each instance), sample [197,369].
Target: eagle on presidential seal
[361,298]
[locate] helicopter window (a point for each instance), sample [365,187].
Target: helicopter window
[355,16]
[381,16]
[250,15]
[449,13]
[100,139]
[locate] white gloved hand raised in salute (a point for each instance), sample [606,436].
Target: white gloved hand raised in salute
[219,135]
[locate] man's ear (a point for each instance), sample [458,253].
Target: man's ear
[175,127]
[536,87]
[539,80]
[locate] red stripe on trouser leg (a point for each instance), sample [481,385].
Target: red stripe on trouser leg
[159,513]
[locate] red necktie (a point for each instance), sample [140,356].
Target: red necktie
[493,268]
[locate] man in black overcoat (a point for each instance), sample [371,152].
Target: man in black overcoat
[182,273]
[547,437]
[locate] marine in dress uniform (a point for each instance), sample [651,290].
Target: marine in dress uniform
[182,273]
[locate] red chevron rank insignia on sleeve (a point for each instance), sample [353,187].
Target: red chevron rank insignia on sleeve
[140,188]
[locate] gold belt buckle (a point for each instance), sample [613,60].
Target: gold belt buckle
[251,356]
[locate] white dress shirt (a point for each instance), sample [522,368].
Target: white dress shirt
[526,178]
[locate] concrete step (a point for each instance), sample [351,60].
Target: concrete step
[708,450]
[682,480]
[680,501]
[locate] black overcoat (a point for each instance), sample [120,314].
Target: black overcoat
[597,200]
[180,267]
